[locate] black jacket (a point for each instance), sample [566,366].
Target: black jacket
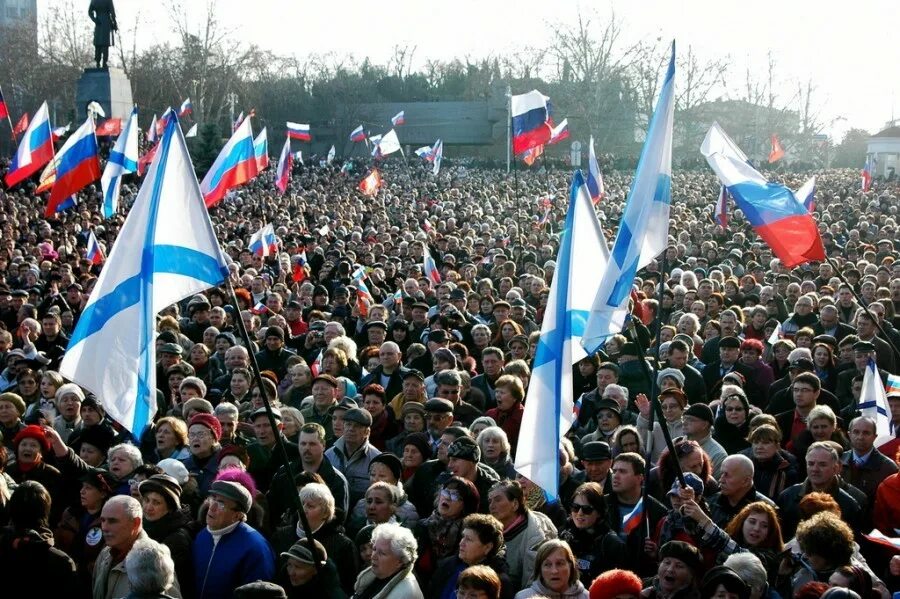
[596,550]
[339,548]
[31,566]
[176,531]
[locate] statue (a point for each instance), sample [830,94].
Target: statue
[103,14]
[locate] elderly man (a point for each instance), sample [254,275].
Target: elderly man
[390,372]
[864,466]
[352,454]
[822,474]
[121,522]
[736,490]
[265,458]
[698,423]
[325,393]
[228,552]
[449,387]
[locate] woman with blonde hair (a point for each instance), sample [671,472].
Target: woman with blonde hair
[555,574]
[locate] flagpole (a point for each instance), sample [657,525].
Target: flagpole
[650,420]
[508,127]
[279,442]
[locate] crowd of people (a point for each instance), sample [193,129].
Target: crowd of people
[389,471]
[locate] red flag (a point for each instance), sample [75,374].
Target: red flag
[4,109]
[371,183]
[109,127]
[298,273]
[145,160]
[22,125]
[777,152]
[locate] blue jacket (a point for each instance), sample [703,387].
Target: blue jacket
[241,556]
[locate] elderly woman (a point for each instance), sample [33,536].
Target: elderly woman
[12,407]
[386,468]
[495,450]
[555,574]
[627,440]
[384,424]
[732,423]
[821,425]
[523,529]
[204,433]
[308,572]
[390,576]
[673,402]
[319,508]
[79,533]
[761,375]
[31,445]
[124,459]
[440,532]
[774,469]
[826,543]
[171,439]
[68,406]
[677,576]
[587,532]
[481,544]
[293,421]
[165,522]
[416,451]
[509,394]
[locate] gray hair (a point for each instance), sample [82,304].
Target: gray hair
[149,567]
[322,494]
[448,377]
[347,344]
[751,569]
[341,330]
[394,492]
[822,412]
[130,505]
[745,462]
[615,387]
[799,352]
[403,543]
[130,451]
[227,409]
[497,433]
[867,419]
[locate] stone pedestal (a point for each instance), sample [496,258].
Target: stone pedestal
[108,87]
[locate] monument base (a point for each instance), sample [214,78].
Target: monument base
[108,87]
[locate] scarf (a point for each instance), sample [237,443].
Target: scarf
[444,534]
[535,499]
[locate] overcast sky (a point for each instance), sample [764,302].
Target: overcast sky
[846,48]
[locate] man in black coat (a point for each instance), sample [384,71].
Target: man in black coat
[103,14]
[729,352]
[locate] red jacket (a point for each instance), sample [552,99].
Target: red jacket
[510,421]
[886,516]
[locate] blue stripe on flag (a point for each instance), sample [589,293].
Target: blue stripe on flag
[83,149]
[241,152]
[120,159]
[529,121]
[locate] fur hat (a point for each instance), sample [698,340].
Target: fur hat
[166,486]
[210,422]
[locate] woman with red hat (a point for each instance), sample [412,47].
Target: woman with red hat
[31,444]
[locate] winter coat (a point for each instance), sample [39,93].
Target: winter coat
[596,549]
[324,585]
[774,476]
[403,585]
[79,535]
[676,429]
[537,589]
[31,566]
[174,530]
[241,556]
[110,579]
[443,581]
[522,543]
[355,467]
[340,549]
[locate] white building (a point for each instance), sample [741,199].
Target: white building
[884,146]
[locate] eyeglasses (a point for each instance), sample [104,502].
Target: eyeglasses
[451,495]
[198,435]
[587,510]
[220,505]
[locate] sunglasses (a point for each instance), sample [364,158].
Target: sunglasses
[587,510]
[450,495]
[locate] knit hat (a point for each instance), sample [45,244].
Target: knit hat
[701,411]
[35,432]
[195,382]
[615,583]
[175,469]
[233,491]
[90,401]
[676,393]
[67,389]
[274,331]
[464,448]
[302,552]
[672,373]
[725,576]
[16,400]
[420,442]
[364,535]
[445,355]
[692,480]
[97,435]
[391,461]
[166,486]
[237,451]
[210,422]
[684,552]
[102,480]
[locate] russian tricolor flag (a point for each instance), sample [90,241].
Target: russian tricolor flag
[261,150]
[868,173]
[235,165]
[285,163]
[431,269]
[398,119]
[259,308]
[4,109]
[263,242]
[152,131]
[530,121]
[299,131]
[358,134]
[720,214]
[560,132]
[93,253]
[633,519]
[35,150]
[78,166]
[186,108]
[806,195]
